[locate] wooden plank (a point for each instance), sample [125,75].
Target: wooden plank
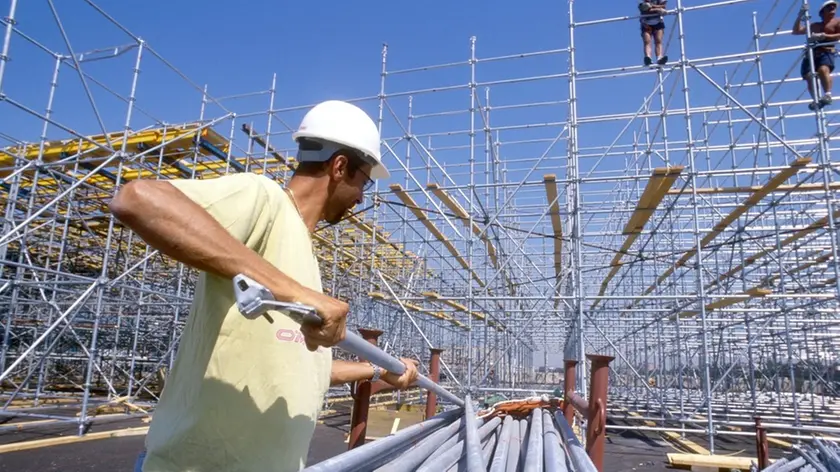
[421,216]
[755,197]
[39,443]
[550,182]
[675,437]
[714,461]
[755,292]
[657,186]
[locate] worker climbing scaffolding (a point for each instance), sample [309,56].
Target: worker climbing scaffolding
[652,24]
[821,32]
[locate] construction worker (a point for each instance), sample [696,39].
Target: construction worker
[827,30]
[244,395]
[652,23]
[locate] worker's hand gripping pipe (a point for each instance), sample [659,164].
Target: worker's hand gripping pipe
[253,300]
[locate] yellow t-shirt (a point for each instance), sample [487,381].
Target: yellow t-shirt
[243,395]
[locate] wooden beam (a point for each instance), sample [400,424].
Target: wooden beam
[550,181]
[421,216]
[755,292]
[660,181]
[754,198]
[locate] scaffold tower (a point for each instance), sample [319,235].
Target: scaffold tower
[680,218]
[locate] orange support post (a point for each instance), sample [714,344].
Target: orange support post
[361,399]
[569,388]
[434,376]
[596,429]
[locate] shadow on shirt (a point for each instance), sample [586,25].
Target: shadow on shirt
[232,435]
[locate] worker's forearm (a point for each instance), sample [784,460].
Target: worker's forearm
[176,226]
[347,371]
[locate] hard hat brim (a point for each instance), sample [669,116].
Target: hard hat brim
[379,172]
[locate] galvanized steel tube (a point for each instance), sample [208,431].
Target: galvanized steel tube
[383,449]
[487,448]
[523,435]
[515,446]
[500,457]
[555,455]
[473,441]
[579,459]
[449,457]
[415,456]
[253,299]
[534,455]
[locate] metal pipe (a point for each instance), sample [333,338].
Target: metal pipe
[555,455]
[579,459]
[523,434]
[473,441]
[415,456]
[254,300]
[579,403]
[534,456]
[514,448]
[382,449]
[596,434]
[446,458]
[487,448]
[500,457]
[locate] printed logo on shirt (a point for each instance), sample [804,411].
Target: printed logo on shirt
[293,336]
[290,335]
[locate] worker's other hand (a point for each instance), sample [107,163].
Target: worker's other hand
[407,378]
[333,329]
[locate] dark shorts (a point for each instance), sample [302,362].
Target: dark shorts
[652,28]
[821,58]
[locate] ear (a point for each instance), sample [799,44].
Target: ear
[338,170]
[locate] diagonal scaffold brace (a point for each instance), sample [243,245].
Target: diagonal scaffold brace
[253,300]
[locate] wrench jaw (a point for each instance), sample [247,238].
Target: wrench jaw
[254,300]
[251,297]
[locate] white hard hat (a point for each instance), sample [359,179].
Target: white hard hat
[335,124]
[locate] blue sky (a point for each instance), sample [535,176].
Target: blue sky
[332,50]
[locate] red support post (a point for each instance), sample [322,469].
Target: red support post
[761,446]
[434,376]
[361,399]
[569,388]
[596,428]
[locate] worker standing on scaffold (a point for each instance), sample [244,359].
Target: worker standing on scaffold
[244,395]
[823,31]
[652,23]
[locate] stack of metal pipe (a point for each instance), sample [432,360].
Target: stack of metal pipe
[819,456]
[458,440]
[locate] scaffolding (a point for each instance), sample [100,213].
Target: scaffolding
[688,229]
